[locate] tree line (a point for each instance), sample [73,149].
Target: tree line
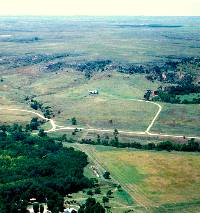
[190,146]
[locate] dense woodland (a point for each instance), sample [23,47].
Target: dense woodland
[37,166]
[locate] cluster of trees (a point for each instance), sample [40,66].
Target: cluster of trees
[34,124]
[93,66]
[90,206]
[31,59]
[53,67]
[37,166]
[106,141]
[190,146]
[166,97]
[170,69]
[172,94]
[46,110]
[131,69]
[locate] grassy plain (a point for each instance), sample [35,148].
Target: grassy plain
[179,119]
[158,180]
[67,92]
[143,41]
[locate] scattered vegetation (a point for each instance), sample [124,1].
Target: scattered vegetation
[190,146]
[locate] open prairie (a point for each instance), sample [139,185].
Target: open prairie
[51,65]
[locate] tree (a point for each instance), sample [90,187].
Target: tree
[91,206]
[34,124]
[106,175]
[105,200]
[97,191]
[36,207]
[98,139]
[73,120]
[64,137]
[147,95]
[42,133]
[41,208]
[109,193]
[115,133]
[90,193]
[119,187]
[115,142]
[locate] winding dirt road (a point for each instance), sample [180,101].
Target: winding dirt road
[56,128]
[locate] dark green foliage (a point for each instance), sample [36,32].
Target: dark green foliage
[34,124]
[36,207]
[169,95]
[179,85]
[39,167]
[191,146]
[147,95]
[42,133]
[47,112]
[166,97]
[90,193]
[35,105]
[41,208]
[91,206]
[93,66]
[105,200]
[109,193]
[97,191]
[106,175]
[98,139]
[73,120]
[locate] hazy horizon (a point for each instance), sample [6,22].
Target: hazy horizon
[100,8]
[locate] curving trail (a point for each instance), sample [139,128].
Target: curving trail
[56,128]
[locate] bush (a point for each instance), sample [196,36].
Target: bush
[106,175]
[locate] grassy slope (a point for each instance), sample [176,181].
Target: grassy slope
[70,95]
[178,119]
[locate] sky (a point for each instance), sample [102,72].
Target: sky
[100,7]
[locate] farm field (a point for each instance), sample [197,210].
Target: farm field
[161,181]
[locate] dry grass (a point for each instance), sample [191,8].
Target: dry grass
[10,117]
[158,176]
[179,119]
